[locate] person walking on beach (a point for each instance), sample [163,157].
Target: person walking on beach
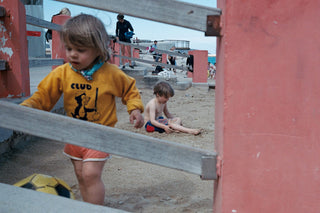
[153,49]
[154,120]
[89,85]
[122,31]
[211,71]
[172,59]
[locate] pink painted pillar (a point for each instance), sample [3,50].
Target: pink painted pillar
[117,51]
[136,53]
[164,58]
[190,74]
[200,66]
[126,52]
[58,50]
[268,107]
[115,48]
[15,81]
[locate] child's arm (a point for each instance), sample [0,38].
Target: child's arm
[47,95]
[129,93]
[136,115]
[167,113]
[130,96]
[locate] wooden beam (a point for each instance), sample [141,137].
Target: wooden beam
[112,140]
[41,23]
[142,47]
[40,62]
[17,199]
[153,62]
[171,12]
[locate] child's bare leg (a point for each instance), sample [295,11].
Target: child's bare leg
[90,183]
[176,120]
[180,128]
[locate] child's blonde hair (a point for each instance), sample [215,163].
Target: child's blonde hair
[163,88]
[86,31]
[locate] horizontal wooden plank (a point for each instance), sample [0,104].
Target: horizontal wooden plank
[41,62]
[153,62]
[142,47]
[112,140]
[42,23]
[17,199]
[171,12]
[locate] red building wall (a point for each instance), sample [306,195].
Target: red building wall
[268,107]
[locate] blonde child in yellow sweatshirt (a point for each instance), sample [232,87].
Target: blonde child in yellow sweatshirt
[89,85]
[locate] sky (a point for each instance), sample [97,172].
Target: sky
[144,29]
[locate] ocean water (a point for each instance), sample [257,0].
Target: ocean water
[212,59]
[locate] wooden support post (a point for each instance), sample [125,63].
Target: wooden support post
[200,66]
[115,47]
[267,128]
[127,52]
[136,54]
[58,50]
[164,58]
[14,82]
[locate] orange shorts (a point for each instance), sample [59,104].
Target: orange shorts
[81,153]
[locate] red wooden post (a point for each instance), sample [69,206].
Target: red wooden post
[58,50]
[115,47]
[136,53]
[200,66]
[14,81]
[267,107]
[189,74]
[164,58]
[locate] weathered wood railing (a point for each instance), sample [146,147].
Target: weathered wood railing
[38,62]
[158,51]
[115,141]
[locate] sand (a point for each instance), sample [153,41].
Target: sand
[132,185]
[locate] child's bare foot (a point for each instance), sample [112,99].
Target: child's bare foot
[196,132]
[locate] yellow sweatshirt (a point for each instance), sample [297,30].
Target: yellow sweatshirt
[94,100]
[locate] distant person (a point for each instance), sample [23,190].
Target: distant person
[154,120]
[89,85]
[153,50]
[214,71]
[172,59]
[63,11]
[123,34]
[210,70]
